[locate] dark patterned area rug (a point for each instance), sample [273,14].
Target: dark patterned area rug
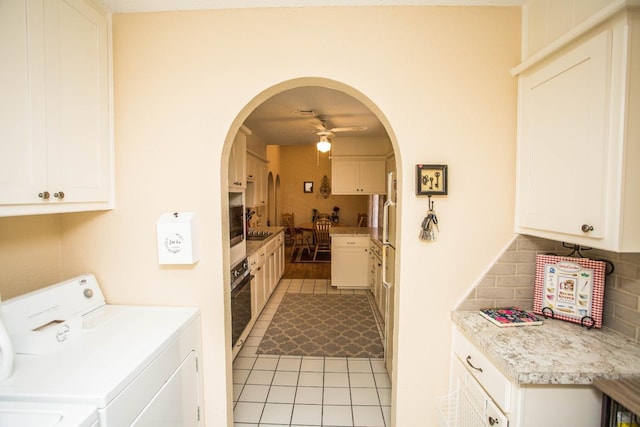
[300,254]
[323,325]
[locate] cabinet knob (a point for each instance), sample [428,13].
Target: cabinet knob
[587,228]
[492,421]
[44,195]
[59,195]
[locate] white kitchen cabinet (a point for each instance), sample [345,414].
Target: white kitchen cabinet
[238,160]
[256,181]
[258,285]
[350,262]
[358,175]
[280,256]
[476,380]
[579,141]
[55,113]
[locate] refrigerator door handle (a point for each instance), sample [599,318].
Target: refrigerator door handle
[385,222]
[385,283]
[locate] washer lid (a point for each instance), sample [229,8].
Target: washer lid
[30,414]
[115,346]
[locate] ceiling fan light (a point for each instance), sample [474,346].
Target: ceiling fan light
[323,145]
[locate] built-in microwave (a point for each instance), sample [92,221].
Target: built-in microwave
[236,224]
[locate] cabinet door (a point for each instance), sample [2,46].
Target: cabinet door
[344,176]
[77,89]
[23,161]
[563,142]
[350,262]
[237,162]
[372,176]
[56,114]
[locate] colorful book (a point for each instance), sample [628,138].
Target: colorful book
[511,316]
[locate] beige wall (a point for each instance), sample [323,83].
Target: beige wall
[299,164]
[184,82]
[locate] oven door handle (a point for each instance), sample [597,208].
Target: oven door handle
[240,286]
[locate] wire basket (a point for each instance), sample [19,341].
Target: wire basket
[458,409]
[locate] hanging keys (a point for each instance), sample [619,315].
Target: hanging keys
[429,225]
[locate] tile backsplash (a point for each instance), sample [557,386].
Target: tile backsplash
[510,281]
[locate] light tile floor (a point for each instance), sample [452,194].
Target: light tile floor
[296,391]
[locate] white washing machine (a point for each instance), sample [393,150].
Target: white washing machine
[136,365]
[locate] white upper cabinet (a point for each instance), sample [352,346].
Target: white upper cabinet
[257,171]
[56,154]
[358,175]
[578,142]
[238,160]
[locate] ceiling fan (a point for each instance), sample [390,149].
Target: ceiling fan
[324,144]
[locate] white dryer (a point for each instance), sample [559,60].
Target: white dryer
[137,365]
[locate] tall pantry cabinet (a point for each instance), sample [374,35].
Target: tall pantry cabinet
[55,112]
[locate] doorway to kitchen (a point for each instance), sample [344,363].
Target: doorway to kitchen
[289,389]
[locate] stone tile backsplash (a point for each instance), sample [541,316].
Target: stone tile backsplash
[510,281]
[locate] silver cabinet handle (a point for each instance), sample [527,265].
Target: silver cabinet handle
[59,195]
[586,228]
[44,195]
[493,421]
[470,364]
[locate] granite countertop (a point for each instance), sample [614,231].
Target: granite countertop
[556,352]
[255,245]
[374,233]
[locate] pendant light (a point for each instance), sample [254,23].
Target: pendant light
[324,145]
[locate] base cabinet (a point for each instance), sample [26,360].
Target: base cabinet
[483,394]
[350,262]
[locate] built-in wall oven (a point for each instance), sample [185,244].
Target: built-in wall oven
[240,299]
[236,224]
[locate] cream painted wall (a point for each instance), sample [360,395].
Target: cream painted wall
[184,82]
[300,163]
[30,253]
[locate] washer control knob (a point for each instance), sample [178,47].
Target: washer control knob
[88,293]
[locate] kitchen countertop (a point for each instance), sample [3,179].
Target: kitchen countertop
[255,245]
[556,352]
[374,233]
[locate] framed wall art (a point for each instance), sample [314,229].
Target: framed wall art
[431,180]
[308,187]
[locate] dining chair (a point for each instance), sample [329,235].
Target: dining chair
[363,220]
[321,230]
[323,216]
[287,221]
[296,236]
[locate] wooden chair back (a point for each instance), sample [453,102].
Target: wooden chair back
[321,230]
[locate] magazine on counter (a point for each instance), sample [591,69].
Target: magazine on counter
[510,316]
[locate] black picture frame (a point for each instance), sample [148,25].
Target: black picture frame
[308,187]
[431,180]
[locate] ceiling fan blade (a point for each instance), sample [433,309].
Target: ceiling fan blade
[349,129]
[318,125]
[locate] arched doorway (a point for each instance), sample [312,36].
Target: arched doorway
[277,199]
